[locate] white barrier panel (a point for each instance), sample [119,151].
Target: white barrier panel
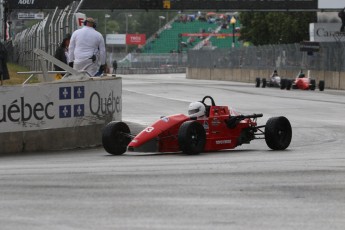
[80,18]
[115,39]
[323,32]
[60,104]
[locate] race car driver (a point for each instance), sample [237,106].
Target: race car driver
[197,110]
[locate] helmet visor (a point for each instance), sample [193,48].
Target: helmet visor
[193,111]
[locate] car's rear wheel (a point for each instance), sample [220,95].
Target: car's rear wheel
[264,83]
[278,133]
[288,84]
[322,85]
[312,84]
[257,82]
[191,137]
[115,137]
[283,83]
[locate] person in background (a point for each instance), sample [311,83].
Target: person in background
[341,15]
[87,49]
[4,75]
[274,74]
[102,71]
[114,67]
[61,54]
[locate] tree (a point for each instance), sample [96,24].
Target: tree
[112,26]
[261,28]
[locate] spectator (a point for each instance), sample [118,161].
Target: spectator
[102,71]
[4,75]
[341,15]
[114,67]
[87,49]
[61,54]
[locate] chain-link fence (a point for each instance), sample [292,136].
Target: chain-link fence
[49,33]
[153,63]
[45,35]
[330,57]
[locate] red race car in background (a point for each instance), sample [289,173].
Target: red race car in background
[306,83]
[300,82]
[207,128]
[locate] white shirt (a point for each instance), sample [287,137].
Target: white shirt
[84,43]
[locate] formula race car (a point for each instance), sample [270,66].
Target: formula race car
[274,81]
[306,83]
[207,128]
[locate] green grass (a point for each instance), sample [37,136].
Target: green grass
[15,78]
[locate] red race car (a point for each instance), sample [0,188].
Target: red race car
[306,83]
[207,128]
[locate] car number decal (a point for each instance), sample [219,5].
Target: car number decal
[149,129]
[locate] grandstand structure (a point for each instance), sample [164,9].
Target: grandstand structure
[202,31]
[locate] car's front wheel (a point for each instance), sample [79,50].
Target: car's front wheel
[191,137]
[278,133]
[115,137]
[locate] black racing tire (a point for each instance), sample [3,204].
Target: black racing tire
[191,137]
[278,133]
[288,84]
[312,85]
[321,85]
[257,82]
[283,83]
[264,82]
[115,137]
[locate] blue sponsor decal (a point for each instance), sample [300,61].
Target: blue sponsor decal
[79,110]
[79,92]
[65,111]
[65,93]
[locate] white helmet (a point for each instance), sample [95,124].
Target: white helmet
[196,109]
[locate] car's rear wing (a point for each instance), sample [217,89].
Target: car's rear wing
[234,120]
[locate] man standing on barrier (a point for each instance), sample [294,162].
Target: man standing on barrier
[87,49]
[341,15]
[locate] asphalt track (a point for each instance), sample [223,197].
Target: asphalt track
[250,187]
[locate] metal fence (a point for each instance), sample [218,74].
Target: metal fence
[49,33]
[153,63]
[45,35]
[330,57]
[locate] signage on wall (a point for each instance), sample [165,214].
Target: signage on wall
[123,39]
[60,105]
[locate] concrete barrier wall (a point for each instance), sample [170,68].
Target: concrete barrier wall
[51,139]
[333,80]
[58,115]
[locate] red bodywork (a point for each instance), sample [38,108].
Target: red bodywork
[162,136]
[302,83]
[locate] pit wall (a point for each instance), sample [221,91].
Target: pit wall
[58,115]
[333,80]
